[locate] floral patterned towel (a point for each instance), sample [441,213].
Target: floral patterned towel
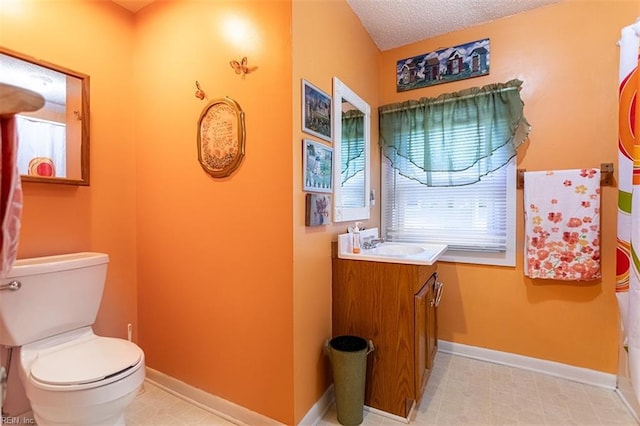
[562,224]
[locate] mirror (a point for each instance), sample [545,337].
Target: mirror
[53,142]
[351,153]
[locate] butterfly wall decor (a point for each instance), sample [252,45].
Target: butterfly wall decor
[242,67]
[200,93]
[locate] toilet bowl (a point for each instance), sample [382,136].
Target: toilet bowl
[71,376]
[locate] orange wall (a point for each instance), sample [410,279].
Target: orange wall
[215,282]
[566,54]
[61,218]
[328,41]
[233,291]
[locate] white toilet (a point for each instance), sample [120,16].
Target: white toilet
[71,376]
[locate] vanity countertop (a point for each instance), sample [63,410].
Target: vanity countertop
[390,252]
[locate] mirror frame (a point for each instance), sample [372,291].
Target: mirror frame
[84,117]
[343,214]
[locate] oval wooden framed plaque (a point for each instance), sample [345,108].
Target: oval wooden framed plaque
[221,137]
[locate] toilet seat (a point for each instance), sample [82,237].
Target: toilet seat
[88,362]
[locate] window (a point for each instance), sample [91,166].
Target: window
[448,172]
[352,159]
[477,221]
[351,190]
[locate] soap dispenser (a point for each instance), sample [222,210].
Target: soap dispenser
[356,238]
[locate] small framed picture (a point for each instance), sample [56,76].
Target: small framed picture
[316,112]
[317,161]
[318,210]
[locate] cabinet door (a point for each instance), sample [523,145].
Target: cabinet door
[421,302]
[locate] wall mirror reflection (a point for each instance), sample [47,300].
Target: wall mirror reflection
[53,141]
[352,135]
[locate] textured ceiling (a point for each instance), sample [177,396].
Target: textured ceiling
[51,84]
[394,23]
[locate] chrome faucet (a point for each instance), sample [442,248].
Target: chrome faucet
[371,243]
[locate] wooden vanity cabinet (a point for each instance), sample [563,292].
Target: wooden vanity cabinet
[392,305]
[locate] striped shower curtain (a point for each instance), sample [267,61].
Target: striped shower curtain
[628,246]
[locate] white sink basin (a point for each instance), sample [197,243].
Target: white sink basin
[391,252]
[392,249]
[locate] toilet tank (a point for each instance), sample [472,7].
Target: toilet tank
[57,294]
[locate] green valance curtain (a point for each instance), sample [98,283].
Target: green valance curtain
[456,138]
[352,153]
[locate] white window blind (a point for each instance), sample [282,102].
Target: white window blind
[476,221]
[351,193]
[471,217]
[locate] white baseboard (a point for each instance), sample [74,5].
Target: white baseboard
[319,409]
[393,417]
[627,396]
[229,411]
[563,371]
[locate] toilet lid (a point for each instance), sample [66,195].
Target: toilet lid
[86,362]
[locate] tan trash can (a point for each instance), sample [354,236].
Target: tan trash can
[348,356]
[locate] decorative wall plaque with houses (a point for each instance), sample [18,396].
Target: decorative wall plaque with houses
[443,66]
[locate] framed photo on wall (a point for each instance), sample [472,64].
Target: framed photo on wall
[316,112]
[317,209]
[317,166]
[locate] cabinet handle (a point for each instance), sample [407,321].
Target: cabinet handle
[438,294]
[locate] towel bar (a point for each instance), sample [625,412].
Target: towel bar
[606,175]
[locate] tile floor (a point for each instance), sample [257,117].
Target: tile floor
[156,407]
[460,391]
